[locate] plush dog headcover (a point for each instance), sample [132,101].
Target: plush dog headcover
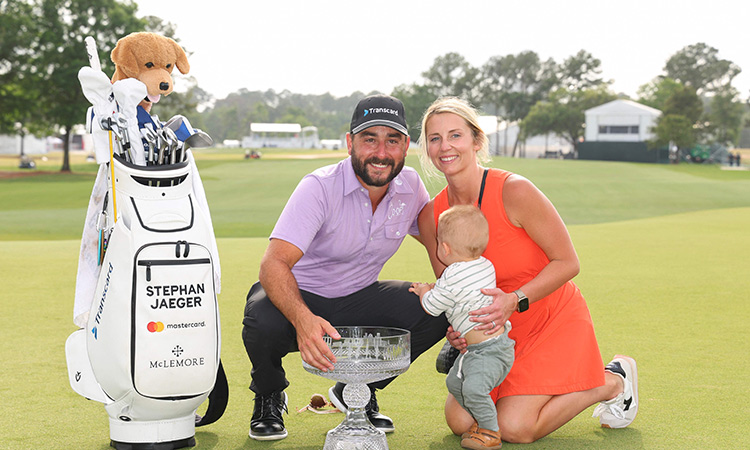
[150,58]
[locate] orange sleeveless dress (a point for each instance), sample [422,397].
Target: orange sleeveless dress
[556,350]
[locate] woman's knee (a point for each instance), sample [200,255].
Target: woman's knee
[458,420]
[516,431]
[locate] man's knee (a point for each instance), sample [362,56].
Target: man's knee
[262,321]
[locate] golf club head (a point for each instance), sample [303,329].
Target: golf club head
[199,139]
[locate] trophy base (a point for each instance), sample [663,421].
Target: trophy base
[346,437]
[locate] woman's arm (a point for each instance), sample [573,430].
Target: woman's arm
[528,208]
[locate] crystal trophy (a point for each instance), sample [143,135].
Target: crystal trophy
[363,355]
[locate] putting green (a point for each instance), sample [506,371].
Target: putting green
[669,290]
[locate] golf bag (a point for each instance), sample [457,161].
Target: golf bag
[150,348]
[148,275]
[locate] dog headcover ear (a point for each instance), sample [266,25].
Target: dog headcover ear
[182,63]
[123,55]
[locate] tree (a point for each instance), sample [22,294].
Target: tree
[700,67]
[725,116]
[679,124]
[685,102]
[564,113]
[656,92]
[580,71]
[676,130]
[512,84]
[452,75]
[416,99]
[18,92]
[59,51]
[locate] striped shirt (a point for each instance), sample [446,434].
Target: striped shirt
[457,292]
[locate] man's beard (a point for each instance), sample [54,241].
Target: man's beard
[360,168]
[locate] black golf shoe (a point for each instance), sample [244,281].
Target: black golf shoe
[445,359]
[379,421]
[267,423]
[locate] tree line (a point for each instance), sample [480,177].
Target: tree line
[42,48]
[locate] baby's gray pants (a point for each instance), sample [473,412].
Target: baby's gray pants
[475,373]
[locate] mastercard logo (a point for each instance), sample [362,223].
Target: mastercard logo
[155,327]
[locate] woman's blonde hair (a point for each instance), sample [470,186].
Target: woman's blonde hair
[463,109]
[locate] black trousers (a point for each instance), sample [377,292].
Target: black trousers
[269,336]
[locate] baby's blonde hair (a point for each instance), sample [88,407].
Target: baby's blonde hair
[465,229]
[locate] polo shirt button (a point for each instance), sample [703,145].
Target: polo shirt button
[398,233]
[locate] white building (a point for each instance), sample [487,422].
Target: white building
[503,135]
[620,121]
[281,135]
[32,145]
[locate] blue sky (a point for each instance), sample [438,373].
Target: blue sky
[341,46]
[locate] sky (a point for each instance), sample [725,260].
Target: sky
[343,46]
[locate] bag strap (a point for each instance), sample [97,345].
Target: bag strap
[481,189]
[217,400]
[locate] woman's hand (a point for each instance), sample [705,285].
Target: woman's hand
[494,316]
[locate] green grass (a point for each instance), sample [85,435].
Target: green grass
[665,279]
[246,196]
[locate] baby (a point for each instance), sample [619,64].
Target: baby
[462,235]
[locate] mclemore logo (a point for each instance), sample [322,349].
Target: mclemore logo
[177,362]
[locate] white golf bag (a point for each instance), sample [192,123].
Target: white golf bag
[150,338]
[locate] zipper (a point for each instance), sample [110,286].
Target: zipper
[169,262]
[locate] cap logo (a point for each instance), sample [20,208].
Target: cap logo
[367,111]
[382,111]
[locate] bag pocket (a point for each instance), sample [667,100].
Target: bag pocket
[175,332]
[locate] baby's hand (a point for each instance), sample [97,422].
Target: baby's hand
[420,288]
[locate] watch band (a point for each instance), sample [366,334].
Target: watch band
[523,301]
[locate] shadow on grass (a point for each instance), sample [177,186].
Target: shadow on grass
[605,439]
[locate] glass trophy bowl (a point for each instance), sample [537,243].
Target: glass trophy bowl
[363,355]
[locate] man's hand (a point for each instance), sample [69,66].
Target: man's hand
[455,339]
[312,347]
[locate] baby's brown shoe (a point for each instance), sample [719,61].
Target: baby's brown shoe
[481,439]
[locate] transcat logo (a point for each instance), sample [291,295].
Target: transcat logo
[177,362]
[100,310]
[176,296]
[380,110]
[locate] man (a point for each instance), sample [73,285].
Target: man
[321,267]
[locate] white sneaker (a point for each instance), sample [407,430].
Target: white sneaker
[621,410]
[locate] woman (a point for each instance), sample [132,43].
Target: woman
[558,371]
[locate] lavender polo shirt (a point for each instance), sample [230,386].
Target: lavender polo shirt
[345,245]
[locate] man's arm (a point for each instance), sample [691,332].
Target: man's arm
[279,283]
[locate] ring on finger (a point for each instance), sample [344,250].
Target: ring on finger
[494,325]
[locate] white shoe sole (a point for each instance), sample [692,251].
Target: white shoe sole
[634,382]
[269,437]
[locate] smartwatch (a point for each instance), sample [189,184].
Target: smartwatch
[523,301]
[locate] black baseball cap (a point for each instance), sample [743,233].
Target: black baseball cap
[379,110]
